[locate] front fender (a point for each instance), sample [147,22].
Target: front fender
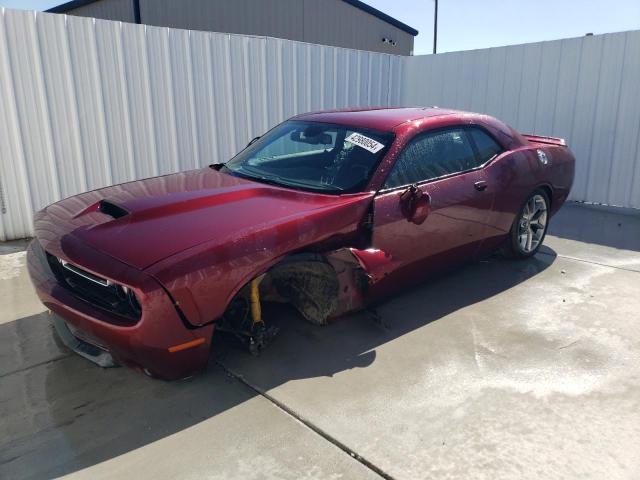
[204,279]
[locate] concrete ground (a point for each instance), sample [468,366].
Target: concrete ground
[499,370]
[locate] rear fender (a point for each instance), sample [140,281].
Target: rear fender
[557,170]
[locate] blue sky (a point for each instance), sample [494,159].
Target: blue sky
[470,24]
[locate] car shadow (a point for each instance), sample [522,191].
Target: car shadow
[65,414]
[303,350]
[600,225]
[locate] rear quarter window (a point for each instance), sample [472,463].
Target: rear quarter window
[486,146]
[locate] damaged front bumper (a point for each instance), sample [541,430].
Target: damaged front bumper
[91,352]
[159,343]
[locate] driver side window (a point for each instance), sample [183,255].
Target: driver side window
[432,155]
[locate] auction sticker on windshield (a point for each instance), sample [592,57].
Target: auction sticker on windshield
[365,142]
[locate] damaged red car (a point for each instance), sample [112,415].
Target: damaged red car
[327,211]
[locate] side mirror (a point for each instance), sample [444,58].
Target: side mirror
[415,204]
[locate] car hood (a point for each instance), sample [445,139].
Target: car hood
[143,222]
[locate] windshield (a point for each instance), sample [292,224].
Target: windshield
[312,156]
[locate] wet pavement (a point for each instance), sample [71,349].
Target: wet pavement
[501,369]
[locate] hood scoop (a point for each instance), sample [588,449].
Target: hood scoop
[111,209]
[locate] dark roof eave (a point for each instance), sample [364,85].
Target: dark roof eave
[382,16]
[65,7]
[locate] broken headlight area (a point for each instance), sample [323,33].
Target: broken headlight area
[99,292]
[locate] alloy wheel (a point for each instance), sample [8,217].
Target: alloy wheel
[532,223]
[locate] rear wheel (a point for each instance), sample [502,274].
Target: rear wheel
[530,226]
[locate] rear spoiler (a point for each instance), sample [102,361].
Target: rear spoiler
[547,140]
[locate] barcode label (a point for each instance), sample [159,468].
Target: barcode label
[365,142]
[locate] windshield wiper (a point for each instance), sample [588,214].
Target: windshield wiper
[282,182]
[316,187]
[270,179]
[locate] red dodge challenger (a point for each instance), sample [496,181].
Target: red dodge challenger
[327,211]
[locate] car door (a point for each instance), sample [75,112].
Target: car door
[433,209]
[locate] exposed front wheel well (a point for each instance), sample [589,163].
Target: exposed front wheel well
[305,280]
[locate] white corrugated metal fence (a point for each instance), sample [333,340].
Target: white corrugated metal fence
[586,90]
[86,103]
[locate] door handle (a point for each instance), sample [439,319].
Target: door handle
[480,185]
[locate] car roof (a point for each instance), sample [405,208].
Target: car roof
[377,118]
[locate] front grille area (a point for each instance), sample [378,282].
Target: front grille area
[97,291]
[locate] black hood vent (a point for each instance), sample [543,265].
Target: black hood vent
[112,209]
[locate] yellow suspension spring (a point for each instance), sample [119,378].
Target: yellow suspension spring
[256,310]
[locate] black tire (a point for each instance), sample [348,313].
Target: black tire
[515,247]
